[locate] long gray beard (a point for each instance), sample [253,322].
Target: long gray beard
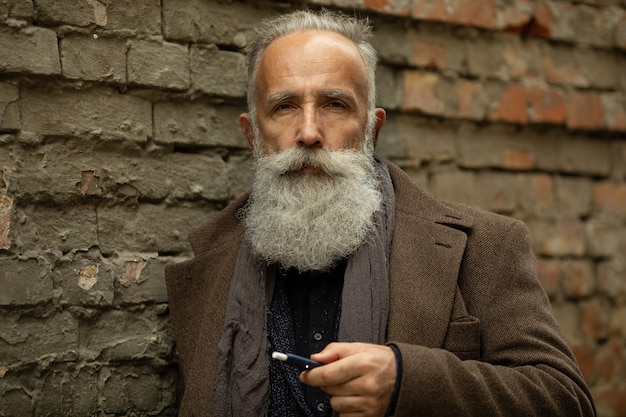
[311,221]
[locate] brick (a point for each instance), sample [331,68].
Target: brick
[615,111]
[434,10]
[9,110]
[573,195]
[84,280]
[118,335]
[139,16]
[511,105]
[594,320]
[216,72]
[610,400]
[392,7]
[137,388]
[98,113]
[520,58]
[567,314]
[496,146]
[24,282]
[198,124]
[76,13]
[580,156]
[610,197]
[479,13]
[455,186]
[141,229]
[618,160]
[537,195]
[620,32]
[241,175]
[64,229]
[141,279]
[518,16]
[31,50]
[602,238]
[6,209]
[582,24]
[211,21]
[426,141]
[541,24]
[550,275]
[564,238]
[558,66]
[157,64]
[25,340]
[497,192]
[419,92]
[429,55]
[486,58]
[546,105]
[69,391]
[584,355]
[611,362]
[578,279]
[618,322]
[16,9]
[472,100]
[97,59]
[387,92]
[600,68]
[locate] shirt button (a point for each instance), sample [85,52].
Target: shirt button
[317,336]
[320,407]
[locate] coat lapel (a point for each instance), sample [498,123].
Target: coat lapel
[428,245]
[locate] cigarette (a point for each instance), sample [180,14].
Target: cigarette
[295,360]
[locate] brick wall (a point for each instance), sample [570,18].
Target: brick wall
[119,134]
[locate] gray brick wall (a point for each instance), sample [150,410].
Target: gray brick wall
[119,135]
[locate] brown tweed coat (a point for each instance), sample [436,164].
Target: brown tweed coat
[466,309]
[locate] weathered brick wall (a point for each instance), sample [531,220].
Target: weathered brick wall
[119,134]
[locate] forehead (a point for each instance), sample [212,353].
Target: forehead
[309,57]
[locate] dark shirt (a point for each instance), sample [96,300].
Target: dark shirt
[315,302]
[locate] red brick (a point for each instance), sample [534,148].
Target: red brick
[620,32]
[419,93]
[562,72]
[610,197]
[511,106]
[518,159]
[516,60]
[428,55]
[611,399]
[385,6]
[594,321]
[610,361]
[578,279]
[547,105]
[480,13]
[585,111]
[586,360]
[542,22]
[471,100]
[550,275]
[517,17]
[434,10]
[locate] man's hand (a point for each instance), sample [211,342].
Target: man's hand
[359,377]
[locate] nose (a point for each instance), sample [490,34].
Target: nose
[309,133]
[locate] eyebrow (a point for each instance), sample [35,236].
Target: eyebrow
[332,93]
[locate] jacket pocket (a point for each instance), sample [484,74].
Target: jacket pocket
[463,338]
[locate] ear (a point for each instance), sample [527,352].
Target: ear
[381,117]
[246,129]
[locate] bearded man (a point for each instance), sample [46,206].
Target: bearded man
[413,306]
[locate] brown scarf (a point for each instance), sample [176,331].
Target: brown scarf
[242,385]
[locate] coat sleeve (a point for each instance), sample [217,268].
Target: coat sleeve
[524,366]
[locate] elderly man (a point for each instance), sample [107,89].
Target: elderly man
[413,306]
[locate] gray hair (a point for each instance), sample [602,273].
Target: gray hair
[358,31]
